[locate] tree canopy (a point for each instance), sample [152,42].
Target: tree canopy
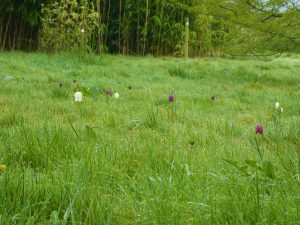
[235,27]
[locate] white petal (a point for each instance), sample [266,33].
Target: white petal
[116,95]
[78,96]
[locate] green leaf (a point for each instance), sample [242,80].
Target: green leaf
[231,162]
[90,132]
[84,89]
[268,168]
[242,169]
[134,123]
[8,78]
[252,163]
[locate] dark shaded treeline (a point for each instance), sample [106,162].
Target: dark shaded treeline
[19,24]
[127,26]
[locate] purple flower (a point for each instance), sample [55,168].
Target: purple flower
[171,98]
[74,81]
[61,84]
[108,92]
[259,129]
[213,98]
[129,87]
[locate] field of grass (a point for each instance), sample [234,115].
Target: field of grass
[140,159]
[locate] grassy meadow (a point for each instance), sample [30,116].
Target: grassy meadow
[141,159]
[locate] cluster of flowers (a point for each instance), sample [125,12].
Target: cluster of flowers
[259,128]
[108,92]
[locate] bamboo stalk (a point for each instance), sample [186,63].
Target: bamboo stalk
[107,21]
[99,29]
[186,39]
[146,26]
[120,14]
[6,30]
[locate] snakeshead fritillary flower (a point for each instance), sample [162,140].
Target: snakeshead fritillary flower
[108,92]
[213,98]
[277,105]
[78,97]
[116,95]
[171,98]
[259,129]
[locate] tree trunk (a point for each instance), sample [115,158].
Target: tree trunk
[107,21]
[138,29]
[186,39]
[15,32]
[160,28]
[146,26]
[120,14]
[99,29]
[1,26]
[6,30]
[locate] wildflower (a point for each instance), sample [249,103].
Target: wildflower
[259,129]
[61,85]
[129,87]
[213,98]
[82,30]
[108,92]
[2,167]
[171,98]
[78,97]
[116,95]
[277,105]
[281,110]
[74,81]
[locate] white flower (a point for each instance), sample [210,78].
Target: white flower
[82,30]
[116,95]
[78,97]
[281,110]
[277,105]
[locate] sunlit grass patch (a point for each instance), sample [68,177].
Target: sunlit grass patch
[197,141]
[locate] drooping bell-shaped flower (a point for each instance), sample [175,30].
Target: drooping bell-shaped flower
[259,129]
[78,96]
[108,92]
[213,98]
[116,95]
[171,98]
[277,105]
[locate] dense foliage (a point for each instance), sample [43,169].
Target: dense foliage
[19,23]
[152,26]
[67,26]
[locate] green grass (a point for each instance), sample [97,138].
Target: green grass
[140,159]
